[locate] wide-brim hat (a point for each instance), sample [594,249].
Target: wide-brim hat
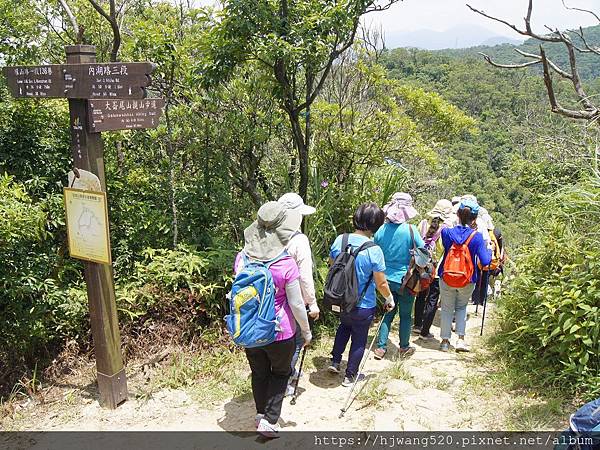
[270,233]
[400,208]
[442,209]
[293,201]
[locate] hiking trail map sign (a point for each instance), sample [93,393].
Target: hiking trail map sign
[102,97]
[87,225]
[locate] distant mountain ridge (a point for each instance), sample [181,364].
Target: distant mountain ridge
[587,63]
[461,36]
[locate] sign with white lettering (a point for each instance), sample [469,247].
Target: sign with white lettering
[94,80]
[35,81]
[107,115]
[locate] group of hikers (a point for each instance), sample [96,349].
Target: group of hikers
[447,260]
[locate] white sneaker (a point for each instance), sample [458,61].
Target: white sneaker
[257,419]
[291,387]
[461,346]
[268,429]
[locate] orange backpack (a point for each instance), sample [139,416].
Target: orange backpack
[458,266]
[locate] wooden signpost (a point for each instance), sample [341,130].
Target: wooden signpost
[102,97]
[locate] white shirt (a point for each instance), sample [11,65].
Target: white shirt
[299,249]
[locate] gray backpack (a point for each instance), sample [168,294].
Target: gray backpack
[341,287]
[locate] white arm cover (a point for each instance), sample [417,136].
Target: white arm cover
[294,298]
[299,249]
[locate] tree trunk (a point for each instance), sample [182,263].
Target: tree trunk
[300,143]
[171,155]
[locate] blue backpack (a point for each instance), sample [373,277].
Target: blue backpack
[252,321]
[584,430]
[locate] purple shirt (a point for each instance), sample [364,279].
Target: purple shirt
[283,272]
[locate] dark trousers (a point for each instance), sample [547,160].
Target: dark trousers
[353,325]
[420,302]
[430,308]
[481,288]
[271,368]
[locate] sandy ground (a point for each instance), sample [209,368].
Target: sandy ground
[426,392]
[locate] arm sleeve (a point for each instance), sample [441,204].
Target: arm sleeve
[377,259]
[303,257]
[294,298]
[483,252]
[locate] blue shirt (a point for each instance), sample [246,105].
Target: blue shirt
[396,243]
[367,261]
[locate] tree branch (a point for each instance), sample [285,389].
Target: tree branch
[581,10]
[556,107]
[526,32]
[111,17]
[72,19]
[508,66]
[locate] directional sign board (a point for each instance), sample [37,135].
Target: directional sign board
[97,80]
[107,81]
[106,115]
[35,81]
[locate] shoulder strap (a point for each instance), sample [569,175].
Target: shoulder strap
[365,246]
[282,255]
[468,241]
[412,236]
[345,238]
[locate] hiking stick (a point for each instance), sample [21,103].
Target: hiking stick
[347,403]
[483,316]
[293,401]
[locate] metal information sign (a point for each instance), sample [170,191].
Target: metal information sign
[91,80]
[87,225]
[107,115]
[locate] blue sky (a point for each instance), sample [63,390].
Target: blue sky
[441,15]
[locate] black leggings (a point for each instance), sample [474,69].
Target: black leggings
[271,368]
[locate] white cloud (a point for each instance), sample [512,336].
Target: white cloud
[441,15]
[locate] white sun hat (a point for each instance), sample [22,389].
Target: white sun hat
[293,201]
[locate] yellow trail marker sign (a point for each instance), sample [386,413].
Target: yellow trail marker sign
[87,225]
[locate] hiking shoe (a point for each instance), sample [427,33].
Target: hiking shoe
[268,429]
[406,352]
[461,346]
[291,387]
[334,368]
[445,346]
[257,419]
[416,330]
[349,381]
[427,337]
[379,353]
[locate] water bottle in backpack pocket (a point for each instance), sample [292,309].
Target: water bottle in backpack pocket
[252,321]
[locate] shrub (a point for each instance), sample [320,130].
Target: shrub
[550,319]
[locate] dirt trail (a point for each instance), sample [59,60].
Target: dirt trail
[424,392]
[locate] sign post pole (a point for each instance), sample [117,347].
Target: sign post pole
[88,154]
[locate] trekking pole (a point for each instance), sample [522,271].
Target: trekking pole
[483,316]
[347,403]
[295,396]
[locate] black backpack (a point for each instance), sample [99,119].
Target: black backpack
[341,287]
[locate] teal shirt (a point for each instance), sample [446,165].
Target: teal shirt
[395,242]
